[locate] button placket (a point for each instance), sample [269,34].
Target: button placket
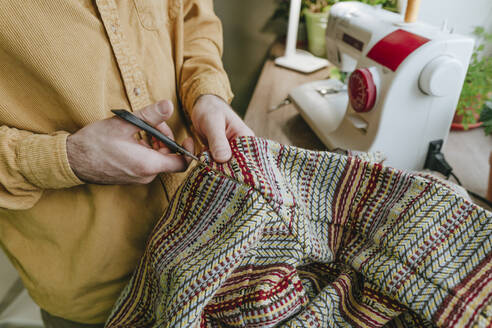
[132,77]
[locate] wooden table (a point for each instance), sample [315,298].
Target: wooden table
[467,151]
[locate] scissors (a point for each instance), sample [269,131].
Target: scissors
[171,144]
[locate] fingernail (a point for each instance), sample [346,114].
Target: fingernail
[220,154]
[164,107]
[161,109]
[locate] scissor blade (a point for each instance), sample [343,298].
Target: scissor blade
[187,153]
[171,144]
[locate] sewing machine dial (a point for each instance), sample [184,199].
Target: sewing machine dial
[439,76]
[362,90]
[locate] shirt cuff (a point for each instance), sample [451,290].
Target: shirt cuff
[43,161]
[207,85]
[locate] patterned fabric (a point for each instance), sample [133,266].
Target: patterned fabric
[312,239]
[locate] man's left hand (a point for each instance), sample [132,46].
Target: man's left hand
[217,122]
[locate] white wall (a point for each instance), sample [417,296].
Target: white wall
[462,15]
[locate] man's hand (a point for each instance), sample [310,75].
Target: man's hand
[107,152]
[215,120]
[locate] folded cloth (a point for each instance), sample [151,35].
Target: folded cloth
[311,239]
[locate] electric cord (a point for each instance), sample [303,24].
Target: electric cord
[456,178]
[473,194]
[436,161]
[480,198]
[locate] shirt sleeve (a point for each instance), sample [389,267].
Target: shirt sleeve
[202,71]
[32,162]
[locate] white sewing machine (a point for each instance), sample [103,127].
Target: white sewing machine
[403,90]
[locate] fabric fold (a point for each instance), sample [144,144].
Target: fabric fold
[311,239]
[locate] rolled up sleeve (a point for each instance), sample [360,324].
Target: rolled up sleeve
[202,71]
[43,161]
[30,163]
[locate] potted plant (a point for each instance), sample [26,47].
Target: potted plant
[486,117]
[314,18]
[316,13]
[477,88]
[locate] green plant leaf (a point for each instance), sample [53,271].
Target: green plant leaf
[479,30]
[486,117]
[478,82]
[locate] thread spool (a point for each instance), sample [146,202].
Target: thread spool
[412,12]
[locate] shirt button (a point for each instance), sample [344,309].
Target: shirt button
[136,91]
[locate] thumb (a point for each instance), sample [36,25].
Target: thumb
[156,113]
[218,143]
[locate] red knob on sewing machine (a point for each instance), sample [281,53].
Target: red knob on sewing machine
[362,90]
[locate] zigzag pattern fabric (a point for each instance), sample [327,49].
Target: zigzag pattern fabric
[311,239]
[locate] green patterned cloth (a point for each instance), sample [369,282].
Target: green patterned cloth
[311,239]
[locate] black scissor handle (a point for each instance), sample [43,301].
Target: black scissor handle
[129,117]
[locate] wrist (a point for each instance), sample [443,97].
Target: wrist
[205,103]
[205,84]
[209,98]
[71,155]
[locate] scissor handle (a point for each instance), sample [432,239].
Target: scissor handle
[129,117]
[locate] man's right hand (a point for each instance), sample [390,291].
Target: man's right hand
[107,152]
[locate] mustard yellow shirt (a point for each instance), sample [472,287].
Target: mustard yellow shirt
[63,65]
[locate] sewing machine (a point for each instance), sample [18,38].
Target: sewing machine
[405,82]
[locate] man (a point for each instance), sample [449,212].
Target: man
[79,193]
